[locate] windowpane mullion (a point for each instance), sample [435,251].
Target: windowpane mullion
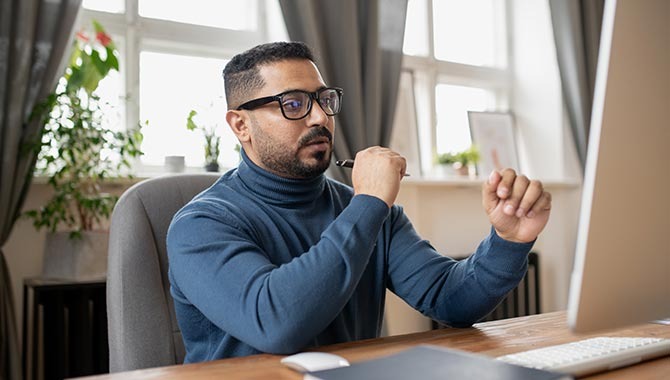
[459,73]
[204,39]
[431,25]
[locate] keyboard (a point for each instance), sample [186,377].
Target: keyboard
[591,355]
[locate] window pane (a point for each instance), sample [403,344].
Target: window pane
[228,14]
[470,32]
[112,100]
[416,28]
[170,87]
[114,6]
[112,92]
[452,104]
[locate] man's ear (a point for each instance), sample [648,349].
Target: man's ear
[239,124]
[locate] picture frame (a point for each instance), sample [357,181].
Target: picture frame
[493,133]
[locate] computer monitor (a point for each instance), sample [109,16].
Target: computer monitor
[621,272]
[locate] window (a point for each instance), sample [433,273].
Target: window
[457,54]
[467,32]
[172,57]
[228,14]
[113,6]
[453,103]
[171,86]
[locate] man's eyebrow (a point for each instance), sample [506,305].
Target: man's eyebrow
[302,89]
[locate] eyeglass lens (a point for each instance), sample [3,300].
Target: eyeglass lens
[297,104]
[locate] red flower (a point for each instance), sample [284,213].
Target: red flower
[104,38]
[81,36]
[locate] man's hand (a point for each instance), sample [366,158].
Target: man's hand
[517,207]
[378,172]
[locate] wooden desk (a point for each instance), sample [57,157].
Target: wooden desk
[491,338]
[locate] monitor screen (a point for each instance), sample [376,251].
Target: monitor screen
[621,274]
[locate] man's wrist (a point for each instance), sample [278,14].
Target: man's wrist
[512,239]
[374,196]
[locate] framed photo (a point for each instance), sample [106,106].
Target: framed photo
[493,134]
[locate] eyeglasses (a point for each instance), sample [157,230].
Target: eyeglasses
[297,104]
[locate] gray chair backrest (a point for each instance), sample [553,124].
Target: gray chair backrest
[142,326]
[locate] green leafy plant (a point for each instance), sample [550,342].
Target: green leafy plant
[463,158]
[77,151]
[212,141]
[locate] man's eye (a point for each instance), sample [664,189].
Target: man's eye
[292,104]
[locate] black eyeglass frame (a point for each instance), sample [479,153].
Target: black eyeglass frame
[312,96]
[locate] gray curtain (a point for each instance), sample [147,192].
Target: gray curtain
[34,35]
[358,45]
[577,27]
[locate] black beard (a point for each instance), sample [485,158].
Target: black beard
[290,165]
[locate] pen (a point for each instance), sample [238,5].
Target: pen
[349,163]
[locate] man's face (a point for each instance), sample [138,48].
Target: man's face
[290,148]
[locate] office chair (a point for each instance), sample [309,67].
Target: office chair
[142,326]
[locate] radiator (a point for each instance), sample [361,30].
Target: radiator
[64,329]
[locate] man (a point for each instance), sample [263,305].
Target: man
[276,258]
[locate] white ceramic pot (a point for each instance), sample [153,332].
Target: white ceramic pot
[82,258]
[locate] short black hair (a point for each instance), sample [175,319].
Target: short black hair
[241,75]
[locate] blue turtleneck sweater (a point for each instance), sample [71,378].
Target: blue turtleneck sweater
[260,263]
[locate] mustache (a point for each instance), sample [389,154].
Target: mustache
[315,133]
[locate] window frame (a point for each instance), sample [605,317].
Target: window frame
[429,71]
[140,33]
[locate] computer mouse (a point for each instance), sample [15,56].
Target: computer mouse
[314,361]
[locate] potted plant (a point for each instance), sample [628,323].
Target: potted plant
[78,153]
[212,141]
[460,161]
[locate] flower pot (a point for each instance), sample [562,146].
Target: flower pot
[212,167]
[462,170]
[83,258]
[444,171]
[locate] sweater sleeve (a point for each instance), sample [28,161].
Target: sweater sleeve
[275,309]
[457,293]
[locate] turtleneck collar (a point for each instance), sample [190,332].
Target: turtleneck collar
[278,190]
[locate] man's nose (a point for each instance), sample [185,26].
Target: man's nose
[317,117]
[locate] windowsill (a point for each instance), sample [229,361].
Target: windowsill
[137,177]
[456,181]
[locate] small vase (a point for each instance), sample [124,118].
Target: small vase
[444,171]
[83,258]
[212,167]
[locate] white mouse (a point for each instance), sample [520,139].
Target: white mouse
[314,361]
